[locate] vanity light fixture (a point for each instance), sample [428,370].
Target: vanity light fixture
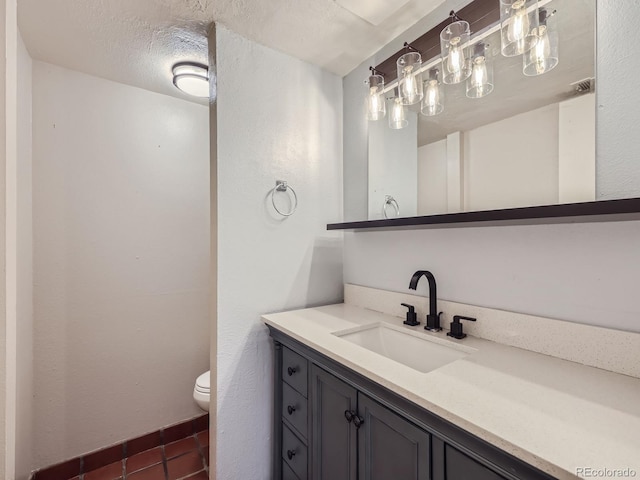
[543,57]
[376,104]
[480,83]
[518,21]
[410,88]
[433,101]
[524,30]
[191,78]
[453,47]
[397,114]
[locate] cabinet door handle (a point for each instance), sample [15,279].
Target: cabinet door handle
[348,414]
[291,454]
[358,421]
[291,370]
[291,409]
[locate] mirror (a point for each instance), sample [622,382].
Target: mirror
[530,142]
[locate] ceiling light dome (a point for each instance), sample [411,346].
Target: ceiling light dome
[192,79]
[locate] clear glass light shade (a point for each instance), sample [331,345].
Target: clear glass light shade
[480,83]
[409,78]
[397,114]
[543,57]
[375,101]
[433,101]
[518,20]
[455,57]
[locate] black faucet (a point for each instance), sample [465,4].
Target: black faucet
[433,318]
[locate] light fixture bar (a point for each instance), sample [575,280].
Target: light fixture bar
[475,39]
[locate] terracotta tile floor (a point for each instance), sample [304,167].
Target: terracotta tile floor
[184,459]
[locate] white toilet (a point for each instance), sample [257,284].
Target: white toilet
[202,390]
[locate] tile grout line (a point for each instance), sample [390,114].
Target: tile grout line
[201,450]
[165,462]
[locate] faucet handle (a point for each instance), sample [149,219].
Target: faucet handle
[412,318]
[456,327]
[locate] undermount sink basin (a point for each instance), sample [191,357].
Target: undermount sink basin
[410,348]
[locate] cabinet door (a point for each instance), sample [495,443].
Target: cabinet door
[333,437]
[389,446]
[458,466]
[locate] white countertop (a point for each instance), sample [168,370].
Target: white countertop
[554,414]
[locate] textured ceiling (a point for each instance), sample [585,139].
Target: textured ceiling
[137,41]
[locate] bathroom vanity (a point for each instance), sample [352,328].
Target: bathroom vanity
[343,411]
[335,424]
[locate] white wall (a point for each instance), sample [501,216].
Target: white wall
[432,178]
[8,74]
[584,273]
[513,167]
[24,332]
[285,126]
[213,250]
[393,162]
[579,272]
[3,231]
[617,66]
[540,157]
[577,149]
[121,260]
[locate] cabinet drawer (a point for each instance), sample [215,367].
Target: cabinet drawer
[294,454]
[294,409]
[294,370]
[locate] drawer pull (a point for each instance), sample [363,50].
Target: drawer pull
[292,370]
[291,409]
[291,454]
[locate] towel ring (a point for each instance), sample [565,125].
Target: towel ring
[282,186]
[389,200]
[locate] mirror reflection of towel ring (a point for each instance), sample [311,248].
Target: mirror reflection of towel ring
[389,200]
[282,186]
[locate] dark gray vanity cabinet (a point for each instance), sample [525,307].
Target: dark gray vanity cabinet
[354,437]
[390,446]
[334,446]
[331,423]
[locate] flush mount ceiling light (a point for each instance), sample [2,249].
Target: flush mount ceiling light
[191,78]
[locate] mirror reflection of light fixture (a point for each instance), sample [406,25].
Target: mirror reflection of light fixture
[191,78]
[480,83]
[433,101]
[397,114]
[376,105]
[518,21]
[409,77]
[453,47]
[543,56]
